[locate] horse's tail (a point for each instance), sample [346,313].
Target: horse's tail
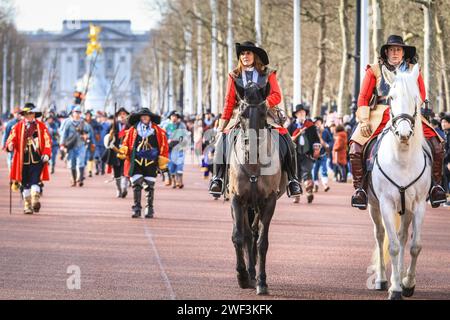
[386,255]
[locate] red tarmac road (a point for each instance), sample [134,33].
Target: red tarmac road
[318,251]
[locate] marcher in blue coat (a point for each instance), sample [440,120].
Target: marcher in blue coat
[76,138]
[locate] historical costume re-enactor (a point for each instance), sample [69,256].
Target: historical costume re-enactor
[266,79]
[90,157]
[53,129]
[32,146]
[9,125]
[76,138]
[146,148]
[373,114]
[177,136]
[307,141]
[113,157]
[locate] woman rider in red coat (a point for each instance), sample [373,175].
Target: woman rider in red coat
[252,67]
[395,55]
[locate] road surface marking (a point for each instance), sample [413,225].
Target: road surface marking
[161,267]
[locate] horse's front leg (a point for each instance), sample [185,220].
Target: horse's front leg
[403,238]
[409,282]
[389,215]
[238,211]
[250,248]
[263,243]
[381,282]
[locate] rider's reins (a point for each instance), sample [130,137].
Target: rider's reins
[394,124]
[253,177]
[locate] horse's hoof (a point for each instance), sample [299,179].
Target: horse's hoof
[262,290]
[381,286]
[408,292]
[243,281]
[395,295]
[310,198]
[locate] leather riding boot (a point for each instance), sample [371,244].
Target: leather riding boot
[290,166]
[137,193]
[118,188]
[149,195]
[359,198]
[74,178]
[216,186]
[437,193]
[35,203]
[81,177]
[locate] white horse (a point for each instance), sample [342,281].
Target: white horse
[401,179]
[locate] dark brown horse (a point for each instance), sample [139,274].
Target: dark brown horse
[256,181]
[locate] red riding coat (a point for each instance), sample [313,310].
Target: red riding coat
[130,139]
[17,138]
[367,89]
[274,98]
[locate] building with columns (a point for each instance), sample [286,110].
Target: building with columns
[67,68]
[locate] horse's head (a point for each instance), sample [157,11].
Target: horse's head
[405,98]
[254,108]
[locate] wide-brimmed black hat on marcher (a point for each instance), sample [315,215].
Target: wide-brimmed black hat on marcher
[301,107]
[394,40]
[175,113]
[136,117]
[250,46]
[122,109]
[30,108]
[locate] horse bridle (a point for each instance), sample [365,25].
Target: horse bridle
[243,105]
[403,117]
[253,178]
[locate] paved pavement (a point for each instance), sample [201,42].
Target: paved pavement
[317,251]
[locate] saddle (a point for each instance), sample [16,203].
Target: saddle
[369,152]
[369,155]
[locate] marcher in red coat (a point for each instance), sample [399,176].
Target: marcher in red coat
[340,151]
[253,67]
[32,146]
[146,149]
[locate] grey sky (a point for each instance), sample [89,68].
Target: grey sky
[49,14]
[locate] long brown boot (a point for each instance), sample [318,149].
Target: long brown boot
[359,198]
[35,203]
[437,193]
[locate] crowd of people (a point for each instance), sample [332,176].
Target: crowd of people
[134,147]
[91,144]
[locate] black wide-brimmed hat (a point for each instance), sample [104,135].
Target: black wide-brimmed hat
[30,108]
[250,46]
[394,40]
[301,107]
[175,113]
[122,109]
[136,117]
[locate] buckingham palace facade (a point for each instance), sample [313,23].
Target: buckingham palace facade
[67,68]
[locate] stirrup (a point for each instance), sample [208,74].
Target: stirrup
[216,193]
[437,203]
[361,206]
[288,192]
